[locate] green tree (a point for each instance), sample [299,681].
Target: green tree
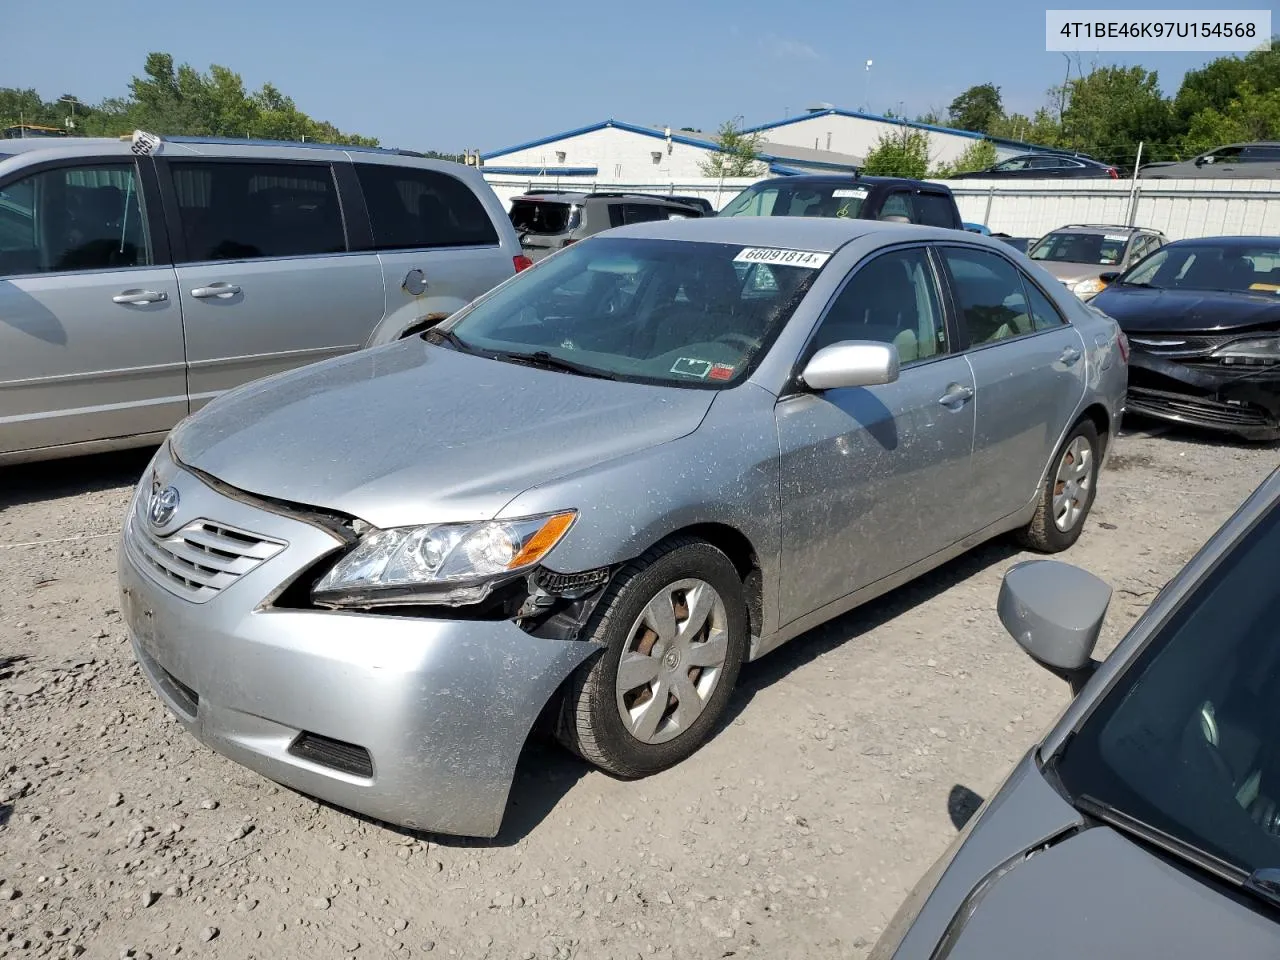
[1218,82]
[979,155]
[904,153]
[1249,115]
[977,109]
[735,154]
[1113,108]
[1043,129]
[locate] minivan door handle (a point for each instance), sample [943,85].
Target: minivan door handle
[218,289]
[1069,356]
[140,296]
[956,396]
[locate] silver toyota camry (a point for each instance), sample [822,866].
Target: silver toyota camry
[595,492]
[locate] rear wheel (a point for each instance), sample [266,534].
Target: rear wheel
[674,628]
[1068,493]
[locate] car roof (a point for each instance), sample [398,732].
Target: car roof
[837,179]
[1238,241]
[185,146]
[819,234]
[1099,228]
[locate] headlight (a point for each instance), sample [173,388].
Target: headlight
[1088,288]
[451,563]
[1255,350]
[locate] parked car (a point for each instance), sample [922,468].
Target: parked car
[977,228]
[1021,244]
[550,220]
[1145,823]
[1203,318]
[1250,161]
[134,288]
[1043,166]
[849,197]
[702,203]
[1079,255]
[598,490]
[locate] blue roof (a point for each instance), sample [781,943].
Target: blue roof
[840,112]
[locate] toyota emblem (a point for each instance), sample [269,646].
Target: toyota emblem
[163,505]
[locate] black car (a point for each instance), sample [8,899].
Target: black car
[700,203]
[1044,166]
[851,196]
[1203,322]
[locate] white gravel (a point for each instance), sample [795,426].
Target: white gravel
[794,833]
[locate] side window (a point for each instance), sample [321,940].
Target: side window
[410,209]
[896,204]
[1044,315]
[71,219]
[1014,163]
[892,299]
[1046,163]
[243,211]
[643,212]
[934,210]
[989,293]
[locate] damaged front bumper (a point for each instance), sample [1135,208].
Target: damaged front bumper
[1231,398]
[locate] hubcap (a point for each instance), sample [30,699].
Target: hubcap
[673,661]
[1072,484]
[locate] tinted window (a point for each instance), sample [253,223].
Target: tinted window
[543,216]
[799,200]
[642,212]
[896,204]
[1261,153]
[990,295]
[893,299]
[1046,163]
[73,218]
[1013,163]
[935,210]
[241,211]
[411,208]
[1044,315]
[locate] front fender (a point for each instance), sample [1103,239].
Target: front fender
[424,310]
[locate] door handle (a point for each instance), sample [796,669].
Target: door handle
[956,395]
[140,296]
[1069,356]
[218,289]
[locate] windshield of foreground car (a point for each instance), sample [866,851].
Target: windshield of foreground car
[1189,739]
[1232,268]
[798,200]
[1096,248]
[656,311]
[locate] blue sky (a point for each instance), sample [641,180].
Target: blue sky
[457,75]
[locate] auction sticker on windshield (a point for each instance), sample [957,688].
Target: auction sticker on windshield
[788,258]
[859,193]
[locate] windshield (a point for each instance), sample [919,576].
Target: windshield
[654,311]
[1098,248]
[1189,741]
[798,200]
[1205,266]
[543,216]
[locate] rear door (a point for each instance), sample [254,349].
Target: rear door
[90,322]
[267,283]
[437,247]
[1029,374]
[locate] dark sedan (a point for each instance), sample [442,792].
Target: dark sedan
[1203,321]
[1044,166]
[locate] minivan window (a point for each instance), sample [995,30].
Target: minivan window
[243,211]
[544,216]
[73,218]
[411,208]
[989,292]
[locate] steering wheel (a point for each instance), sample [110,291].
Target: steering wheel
[741,339]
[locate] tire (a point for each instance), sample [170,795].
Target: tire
[1055,527]
[692,577]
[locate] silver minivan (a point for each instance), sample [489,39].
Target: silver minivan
[138,280]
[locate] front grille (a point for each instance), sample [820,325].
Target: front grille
[1177,344]
[200,560]
[334,754]
[1203,410]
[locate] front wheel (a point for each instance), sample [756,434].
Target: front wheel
[1068,493]
[674,629]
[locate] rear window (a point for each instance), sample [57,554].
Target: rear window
[935,210]
[411,208]
[543,216]
[798,200]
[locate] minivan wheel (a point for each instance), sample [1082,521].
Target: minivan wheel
[1068,493]
[674,628]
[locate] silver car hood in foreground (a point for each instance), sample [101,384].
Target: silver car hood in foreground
[415,433]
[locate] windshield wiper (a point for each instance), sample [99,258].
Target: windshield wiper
[546,361]
[1131,283]
[436,335]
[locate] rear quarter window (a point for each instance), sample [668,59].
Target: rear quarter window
[935,210]
[411,208]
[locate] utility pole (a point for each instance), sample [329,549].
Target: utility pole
[866,91]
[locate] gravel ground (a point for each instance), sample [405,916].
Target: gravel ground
[849,758]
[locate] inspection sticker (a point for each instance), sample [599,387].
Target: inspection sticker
[859,192]
[1121,238]
[691,367]
[788,258]
[722,371]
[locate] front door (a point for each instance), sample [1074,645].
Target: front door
[90,322]
[265,279]
[870,476]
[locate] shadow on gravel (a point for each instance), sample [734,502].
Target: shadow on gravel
[962,804]
[54,479]
[1135,426]
[6,811]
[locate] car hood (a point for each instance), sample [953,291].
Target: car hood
[1138,310]
[416,433]
[1073,272]
[1099,895]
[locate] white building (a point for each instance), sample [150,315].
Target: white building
[614,151]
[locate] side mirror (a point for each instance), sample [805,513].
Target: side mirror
[851,363]
[1109,277]
[1055,612]
[1201,161]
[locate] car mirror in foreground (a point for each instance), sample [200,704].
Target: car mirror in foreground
[1109,277]
[851,363]
[1055,612]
